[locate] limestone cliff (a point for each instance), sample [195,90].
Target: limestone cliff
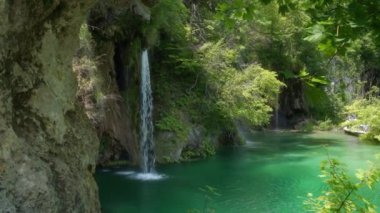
[108,70]
[47,146]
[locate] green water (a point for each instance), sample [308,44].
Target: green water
[272,173]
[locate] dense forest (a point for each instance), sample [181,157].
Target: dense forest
[92,87]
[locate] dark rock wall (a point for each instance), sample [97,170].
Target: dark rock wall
[116,28]
[115,31]
[292,104]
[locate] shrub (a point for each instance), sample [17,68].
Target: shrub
[325,125]
[343,194]
[366,112]
[248,93]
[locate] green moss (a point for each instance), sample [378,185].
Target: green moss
[131,95]
[105,143]
[173,123]
[206,149]
[85,38]
[117,163]
[166,159]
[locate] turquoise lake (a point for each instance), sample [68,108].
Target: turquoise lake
[272,172]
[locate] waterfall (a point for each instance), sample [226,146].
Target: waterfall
[276,114]
[146,122]
[276,120]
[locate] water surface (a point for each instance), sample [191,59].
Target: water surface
[273,172]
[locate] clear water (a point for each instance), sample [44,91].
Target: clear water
[273,172]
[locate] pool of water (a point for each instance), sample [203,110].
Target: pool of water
[272,172]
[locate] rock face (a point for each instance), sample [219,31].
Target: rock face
[293,108]
[196,145]
[48,148]
[104,102]
[111,92]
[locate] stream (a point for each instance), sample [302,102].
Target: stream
[272,172]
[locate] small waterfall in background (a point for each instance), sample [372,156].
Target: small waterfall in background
[276,114]
[146,119]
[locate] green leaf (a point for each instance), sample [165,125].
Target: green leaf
[303,73]
[319,80]
[327,48]
[288,74]
[316,33]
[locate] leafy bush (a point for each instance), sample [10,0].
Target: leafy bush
[248,93]
[322,104]
[207,148]
[343,194]
[367,112]
[168,16]
[305,126]
[325,125]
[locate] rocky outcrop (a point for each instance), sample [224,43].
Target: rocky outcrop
[48,148]
[104,102]
[170,147]
[110,92]
[293,108]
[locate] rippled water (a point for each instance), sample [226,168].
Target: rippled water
[273,172]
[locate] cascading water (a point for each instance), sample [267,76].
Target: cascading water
[276,119]
[146,122]
[146,128]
